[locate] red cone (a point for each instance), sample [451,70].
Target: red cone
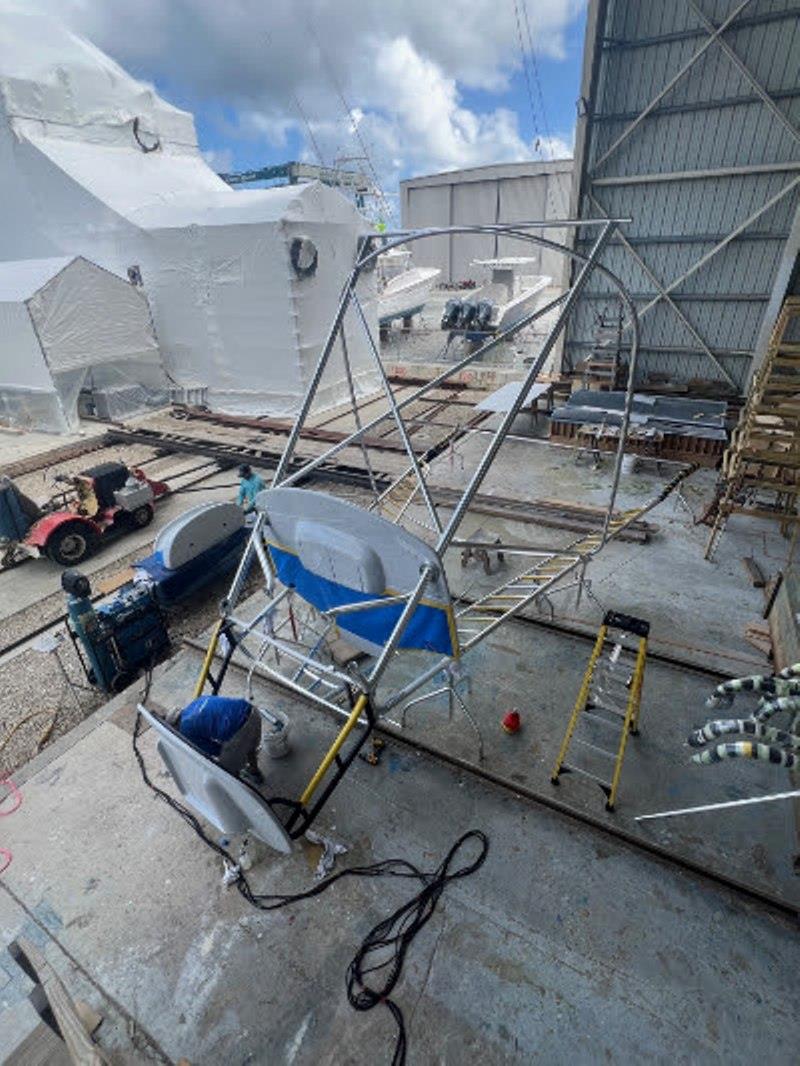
[511,722]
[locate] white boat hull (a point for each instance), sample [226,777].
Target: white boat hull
[406,294]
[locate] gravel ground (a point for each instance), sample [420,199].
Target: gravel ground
[34,691]
[31,683]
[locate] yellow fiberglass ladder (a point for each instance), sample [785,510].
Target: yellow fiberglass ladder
[607,705]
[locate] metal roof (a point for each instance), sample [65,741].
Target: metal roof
[530,168]
[689,125]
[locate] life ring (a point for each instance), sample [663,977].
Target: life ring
[304,256]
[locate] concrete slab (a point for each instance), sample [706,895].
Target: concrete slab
[565,947]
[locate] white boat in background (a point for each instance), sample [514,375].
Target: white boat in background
[512,293]
[403,289]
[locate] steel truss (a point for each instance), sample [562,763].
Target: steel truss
[281,644]
[593,180]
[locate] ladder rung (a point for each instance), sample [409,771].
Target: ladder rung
[600,751]
[586,773]
[602,721]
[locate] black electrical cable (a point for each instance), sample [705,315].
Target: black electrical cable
[384,948]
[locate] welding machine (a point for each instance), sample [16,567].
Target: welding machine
[118,638]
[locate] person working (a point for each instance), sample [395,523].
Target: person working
[229,730]
[249,487]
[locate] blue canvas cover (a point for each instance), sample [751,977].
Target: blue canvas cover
[431,627]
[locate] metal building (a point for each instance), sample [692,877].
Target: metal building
[504,192]
[688,124]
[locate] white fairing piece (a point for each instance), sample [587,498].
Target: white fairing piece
[196,530]
[67,325]
[336,554]
[96,163]
[216,795]
[350,546]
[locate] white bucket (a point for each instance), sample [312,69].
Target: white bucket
[629,463]
[275,732]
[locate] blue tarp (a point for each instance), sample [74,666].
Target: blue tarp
[429,628]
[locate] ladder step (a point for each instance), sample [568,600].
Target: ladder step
[602,721]
[570,769]
[600,751]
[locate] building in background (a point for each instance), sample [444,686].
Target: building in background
[504,192]
[689,124]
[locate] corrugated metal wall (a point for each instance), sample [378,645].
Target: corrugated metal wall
[503,193]
[708,170]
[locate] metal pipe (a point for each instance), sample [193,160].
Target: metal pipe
[509,230]
[516,406]
[319,669]
[719,806]
[722,244]
[747,73]
[426,575]
[365,605]
[356,415]
[401,429]
[427,387]
[248,627]
[698,175]
[316,377]
[243,569]
[649,273]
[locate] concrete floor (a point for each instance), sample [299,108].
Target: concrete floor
[567,946]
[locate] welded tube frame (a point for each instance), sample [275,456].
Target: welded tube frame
[368,686]
[401,427]
[517,230]
[508,419]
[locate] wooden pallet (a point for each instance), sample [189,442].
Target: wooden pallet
[761,466]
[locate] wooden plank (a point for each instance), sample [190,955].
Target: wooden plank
[757,577]
[41,1047]
[82,1050]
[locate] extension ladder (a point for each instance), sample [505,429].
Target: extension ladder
[607,705]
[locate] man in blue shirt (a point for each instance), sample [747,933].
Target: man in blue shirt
[229,730]
[250,485]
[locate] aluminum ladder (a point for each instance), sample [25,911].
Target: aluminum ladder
[607,706]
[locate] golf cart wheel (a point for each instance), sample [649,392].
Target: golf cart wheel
[142,516]
[71,543]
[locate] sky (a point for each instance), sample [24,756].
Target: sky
[393,87]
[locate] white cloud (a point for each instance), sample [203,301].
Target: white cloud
[388,74]
[219,159]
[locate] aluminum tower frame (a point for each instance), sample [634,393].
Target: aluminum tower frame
[330,686]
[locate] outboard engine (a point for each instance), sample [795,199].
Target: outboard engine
[451,314]
[468,312]
[483,315]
